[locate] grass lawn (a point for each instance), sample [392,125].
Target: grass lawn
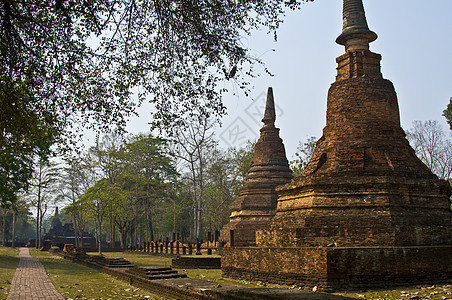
[80,282]
[9,259]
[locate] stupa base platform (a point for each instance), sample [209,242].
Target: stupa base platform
[340,268]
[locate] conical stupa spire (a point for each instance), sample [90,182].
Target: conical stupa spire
[355,32]
[269,114]
[255,205]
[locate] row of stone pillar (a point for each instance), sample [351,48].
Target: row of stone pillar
[172,248]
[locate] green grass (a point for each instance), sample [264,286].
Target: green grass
[80,282]
[9,259]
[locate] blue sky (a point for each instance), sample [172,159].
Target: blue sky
[414,39]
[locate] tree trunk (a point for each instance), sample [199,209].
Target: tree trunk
[4,230]
[41,218]
[174,205]
[122,237]
[100,235]
[151,229]
[81,239]
[13,237]
[37,226]
[113,233]
[76,232]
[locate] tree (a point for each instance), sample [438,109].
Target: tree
[447,113]
[221,186]
[303,155]
[432,146]
[242,160]
[98,200]
[4,212]
[66,64]
[43,190]
[24,137]
[74,181]
[193,141]
[149,165]
[107,157]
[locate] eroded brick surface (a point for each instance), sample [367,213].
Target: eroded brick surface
[340,268]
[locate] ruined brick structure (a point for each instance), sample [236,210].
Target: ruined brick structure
[61,234]
[256,204]
[366,211]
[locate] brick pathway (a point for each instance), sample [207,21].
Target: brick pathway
[31,281]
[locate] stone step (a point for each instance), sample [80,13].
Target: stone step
[161,272]
[111,262]
[165,276]
[120,266]
[155,272]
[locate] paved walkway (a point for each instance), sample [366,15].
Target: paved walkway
[30,281]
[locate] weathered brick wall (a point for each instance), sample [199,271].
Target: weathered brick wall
[196,263]
[355,211]
[341,268]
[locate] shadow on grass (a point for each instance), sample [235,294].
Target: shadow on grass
[63,266]
[8,262]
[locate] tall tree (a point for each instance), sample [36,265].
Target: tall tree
[98,200]
[149,165]
[24,136]
[194,139]
[221,184]
[76,178]
[42,192]
[4,212]
[107,158]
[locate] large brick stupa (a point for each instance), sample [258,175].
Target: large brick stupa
[366,211]
[256,204]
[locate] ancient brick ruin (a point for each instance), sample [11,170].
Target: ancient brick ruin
[256,204]
[61,234]
[366,211]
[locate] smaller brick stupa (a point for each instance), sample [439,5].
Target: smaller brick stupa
[255,206]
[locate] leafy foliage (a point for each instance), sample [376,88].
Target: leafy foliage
[303,155]
[24,135]
[447,113]
[66,64]
[80,60]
